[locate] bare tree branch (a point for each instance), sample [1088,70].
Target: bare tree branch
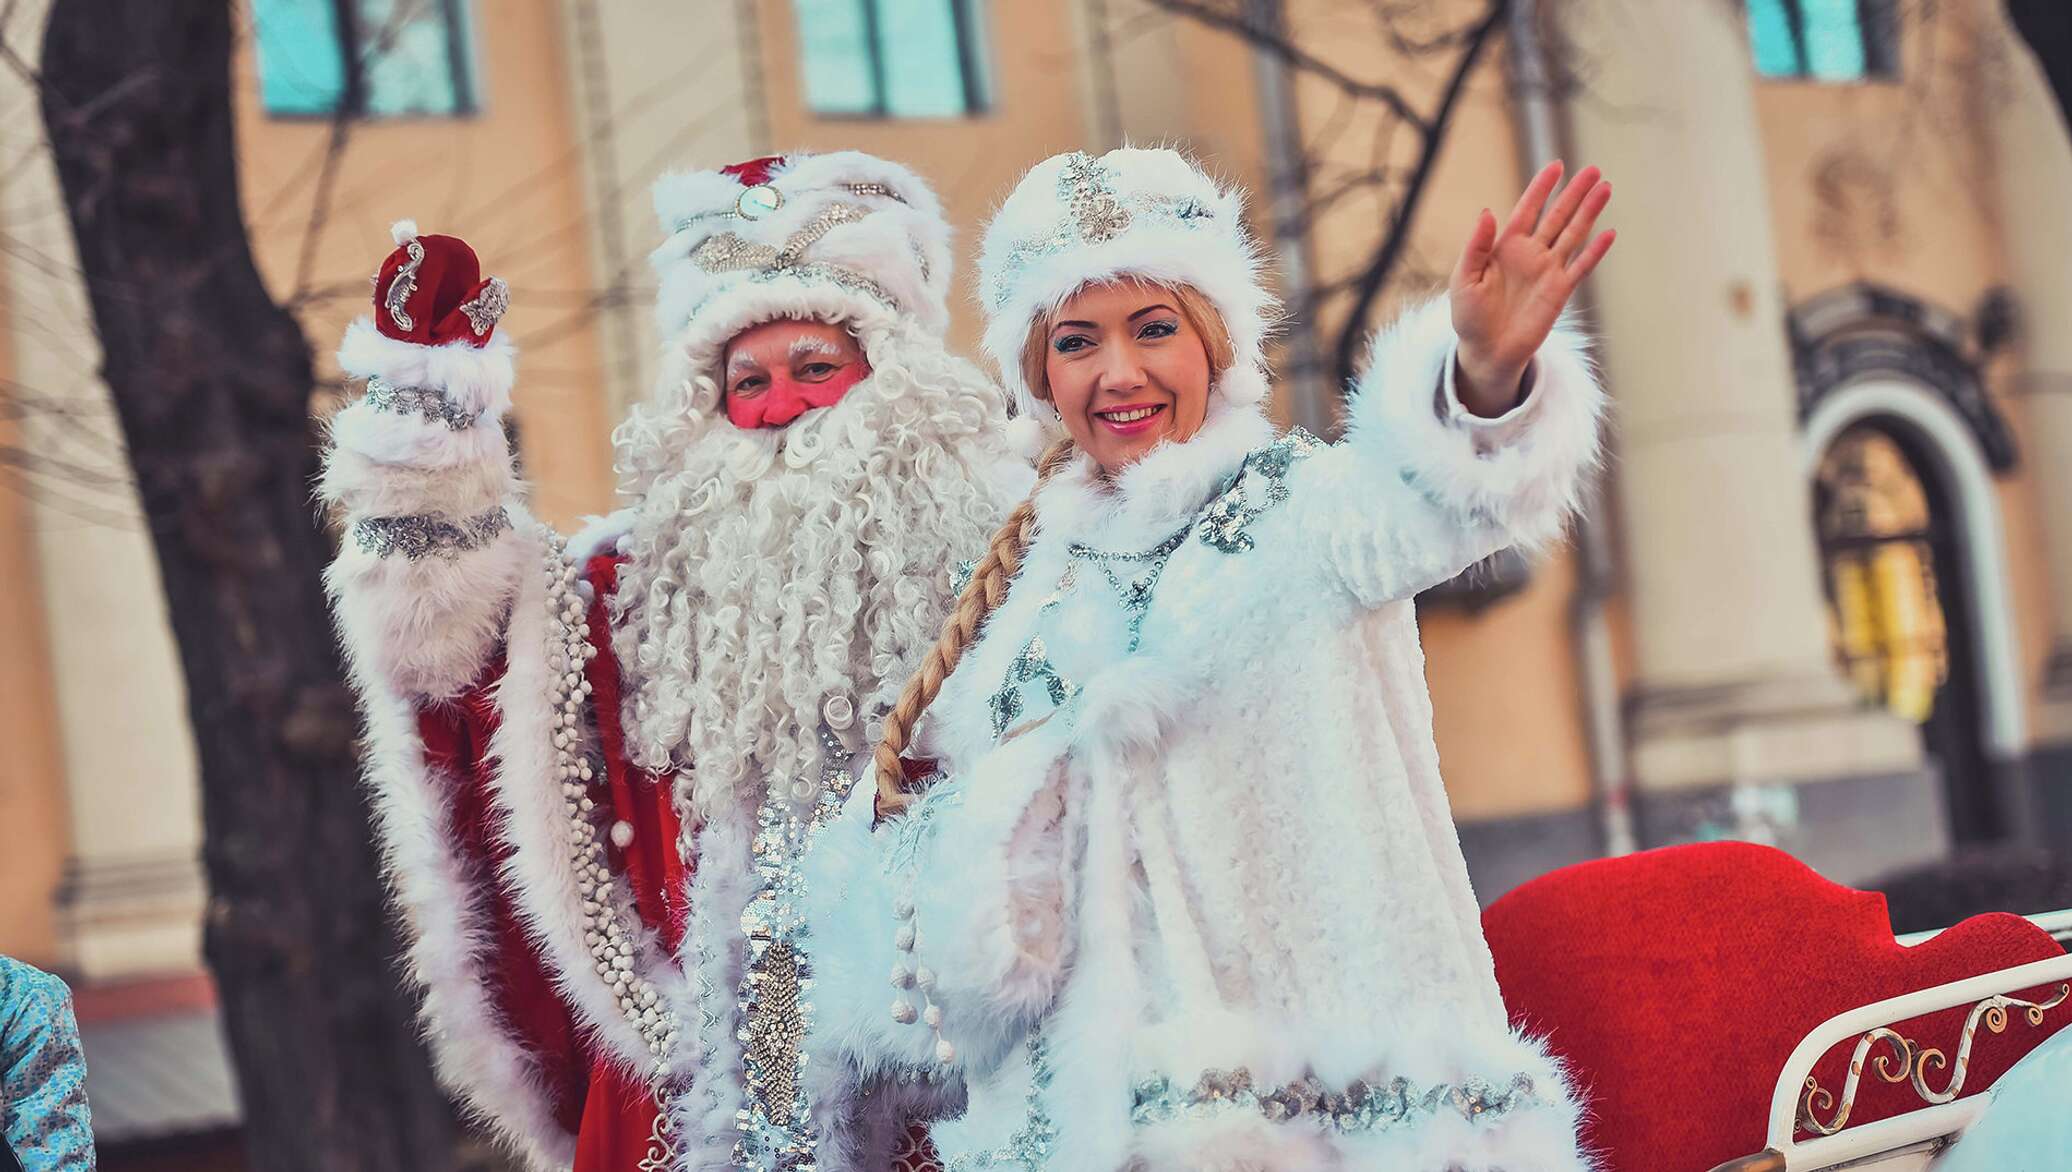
[1294,55]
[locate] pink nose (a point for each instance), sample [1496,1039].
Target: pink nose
[784,411]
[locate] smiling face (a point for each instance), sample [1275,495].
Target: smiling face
[779,370]
[1128,367]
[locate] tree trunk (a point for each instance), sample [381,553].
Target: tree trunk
[211,381]
[2047,26]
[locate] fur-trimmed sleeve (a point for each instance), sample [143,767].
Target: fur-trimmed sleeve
[967,894]
[1421,489]
[433,541]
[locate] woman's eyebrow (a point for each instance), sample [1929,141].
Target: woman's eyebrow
[1153,309]
[1083,325]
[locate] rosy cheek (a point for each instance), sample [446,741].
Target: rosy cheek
[829,393]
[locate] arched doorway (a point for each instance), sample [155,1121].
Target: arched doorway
[1914,564]
[1898,621]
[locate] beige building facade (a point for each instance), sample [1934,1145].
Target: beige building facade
[1811,272]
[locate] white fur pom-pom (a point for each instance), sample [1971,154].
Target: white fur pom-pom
[622,834]
[1025,437]
[403,232]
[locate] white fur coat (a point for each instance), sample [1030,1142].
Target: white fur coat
[1227,849]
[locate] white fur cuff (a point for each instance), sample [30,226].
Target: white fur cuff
[1521,471]
[425,627]
[477,380]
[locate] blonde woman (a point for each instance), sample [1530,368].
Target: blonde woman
[1183,891]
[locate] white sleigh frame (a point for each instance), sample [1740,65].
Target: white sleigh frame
[1908,1141]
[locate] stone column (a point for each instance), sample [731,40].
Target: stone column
[1734,692]
[2033,170]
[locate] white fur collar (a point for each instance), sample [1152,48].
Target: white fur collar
[1156,495]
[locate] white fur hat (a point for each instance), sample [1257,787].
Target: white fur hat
[843,237]
[1151,214]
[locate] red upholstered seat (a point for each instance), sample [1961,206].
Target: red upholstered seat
[1676,982]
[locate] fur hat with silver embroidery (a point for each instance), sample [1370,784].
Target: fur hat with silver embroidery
[1076,220]
[844,237]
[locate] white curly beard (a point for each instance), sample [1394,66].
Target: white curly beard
[773,573]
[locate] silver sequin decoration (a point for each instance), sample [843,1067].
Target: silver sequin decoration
[421,535]
[432,403]
[404,285]
[776,1132]
[1133,575]
[1029,1147]
[1362,1106]
[1031,665]
[487,308]
[1265,473]
[729,253]
[733,211]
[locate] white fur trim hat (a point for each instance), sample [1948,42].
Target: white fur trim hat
[843,237]
[1151,214]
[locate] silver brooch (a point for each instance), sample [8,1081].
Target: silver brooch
[403,286]
[486,308]
[758,201]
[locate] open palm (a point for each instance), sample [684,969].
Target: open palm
[1511,285]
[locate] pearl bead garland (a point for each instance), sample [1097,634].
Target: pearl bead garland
[908,973]
[605,928]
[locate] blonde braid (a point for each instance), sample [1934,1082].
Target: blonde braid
[988,585]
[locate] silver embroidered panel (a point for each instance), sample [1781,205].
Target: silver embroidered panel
[1259,485]
[435,405]
[775,1127]
[1361,1106]
[422,535]
[1031,1145]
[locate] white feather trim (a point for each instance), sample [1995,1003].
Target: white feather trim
[426,627]
[369,486]
[403,232]
[540,870]
[720,317]
[447,941]
[475,379]
[724,882]
[1524,471]
[599,535]
[385,437]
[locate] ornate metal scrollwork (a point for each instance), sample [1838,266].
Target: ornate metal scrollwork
[1913,1061]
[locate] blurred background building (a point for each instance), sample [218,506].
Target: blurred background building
[1824,599]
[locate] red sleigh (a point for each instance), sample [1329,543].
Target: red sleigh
[1724,1007]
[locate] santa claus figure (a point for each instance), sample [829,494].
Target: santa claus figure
[597,761]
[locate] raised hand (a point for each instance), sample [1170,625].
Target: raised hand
[1511,285]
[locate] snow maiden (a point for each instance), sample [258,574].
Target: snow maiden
[1182,891]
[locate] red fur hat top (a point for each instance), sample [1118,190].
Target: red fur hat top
[431,291]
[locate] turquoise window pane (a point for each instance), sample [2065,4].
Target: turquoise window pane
[835,52]
[923,76]
[1834,39]
[410,50]
[1771,38]
[301,63]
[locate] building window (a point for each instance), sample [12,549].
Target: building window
[416,58]
[1825,40]
[894,58]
